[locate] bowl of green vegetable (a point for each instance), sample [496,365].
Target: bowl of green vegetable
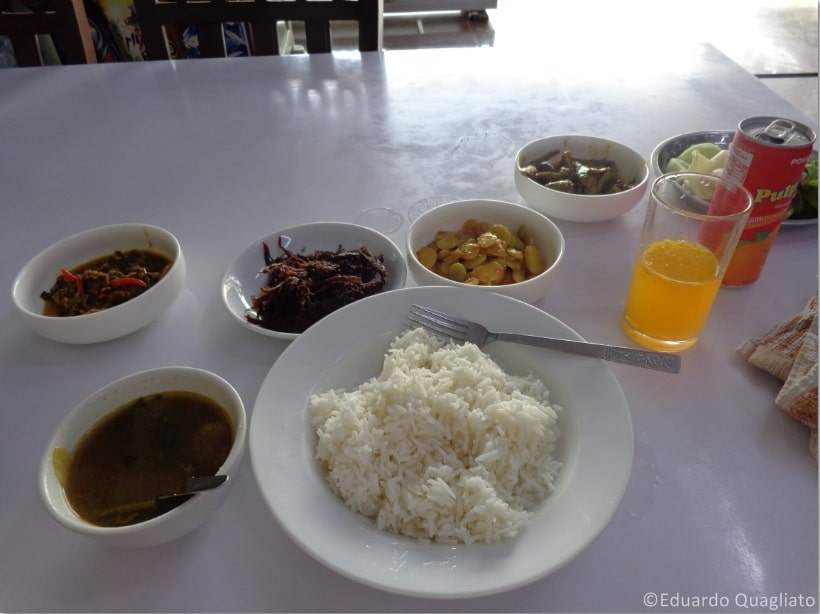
[803,209]
[706,151]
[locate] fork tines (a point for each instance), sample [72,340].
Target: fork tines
[441,324]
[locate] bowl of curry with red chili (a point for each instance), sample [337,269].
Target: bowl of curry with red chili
[100,284]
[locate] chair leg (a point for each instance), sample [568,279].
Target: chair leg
[370,38]
[26,50]
[211,42]
[317,34]
[264,38]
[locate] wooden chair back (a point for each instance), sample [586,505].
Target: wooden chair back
[159,18]
[23,21]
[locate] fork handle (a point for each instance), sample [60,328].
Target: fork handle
[659,361]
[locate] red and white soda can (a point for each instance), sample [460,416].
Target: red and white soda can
[767,156]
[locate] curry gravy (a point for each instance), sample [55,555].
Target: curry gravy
[143,450]
[104,282]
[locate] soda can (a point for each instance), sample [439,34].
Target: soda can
[767,156]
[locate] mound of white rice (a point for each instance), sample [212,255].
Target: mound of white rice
[442,445]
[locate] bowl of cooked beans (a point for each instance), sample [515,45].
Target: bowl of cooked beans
[489,245]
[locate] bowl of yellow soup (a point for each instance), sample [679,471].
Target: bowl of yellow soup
[108,466]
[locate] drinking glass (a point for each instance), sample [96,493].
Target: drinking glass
[692,225]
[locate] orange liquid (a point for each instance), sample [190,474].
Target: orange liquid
[674,284]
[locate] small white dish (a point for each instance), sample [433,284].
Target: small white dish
[40,272]
[244,277]
[451,216]
[344,350]
[631,165]
[176,522]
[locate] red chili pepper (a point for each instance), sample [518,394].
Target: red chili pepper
[74,279]
[127,281]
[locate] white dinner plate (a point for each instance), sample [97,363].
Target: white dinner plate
[806,221]
[344,350]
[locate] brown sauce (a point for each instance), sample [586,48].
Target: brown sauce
[143,450]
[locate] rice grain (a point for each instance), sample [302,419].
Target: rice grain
[442,445]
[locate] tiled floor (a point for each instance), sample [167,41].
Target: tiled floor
[774,39]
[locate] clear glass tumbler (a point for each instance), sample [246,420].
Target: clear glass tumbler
[692,225]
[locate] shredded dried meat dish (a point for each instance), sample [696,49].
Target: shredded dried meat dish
[104,282]
[301,289]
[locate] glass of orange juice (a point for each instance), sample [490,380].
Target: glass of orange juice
[692,225]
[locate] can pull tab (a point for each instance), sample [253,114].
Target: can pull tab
[777,132]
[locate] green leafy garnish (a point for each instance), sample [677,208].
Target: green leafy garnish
[804,204]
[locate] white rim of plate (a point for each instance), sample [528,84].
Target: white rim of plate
[597,451]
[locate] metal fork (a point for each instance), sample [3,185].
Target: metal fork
[450,327]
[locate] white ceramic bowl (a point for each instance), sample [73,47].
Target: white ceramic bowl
[178,521]
[41,271]
[581,207]
[451,216]
[244,277]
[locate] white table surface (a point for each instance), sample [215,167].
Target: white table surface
[722,499]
